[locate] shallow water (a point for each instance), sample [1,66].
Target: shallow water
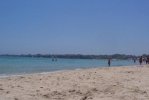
[22,65]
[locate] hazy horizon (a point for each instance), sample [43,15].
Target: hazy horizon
[74,27]
[35,53]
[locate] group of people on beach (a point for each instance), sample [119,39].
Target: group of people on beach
[144,59]
[140,59]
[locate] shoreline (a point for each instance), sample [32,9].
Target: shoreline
[65,70]
[28,74]
[106,83]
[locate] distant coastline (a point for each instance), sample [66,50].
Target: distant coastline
[78,56]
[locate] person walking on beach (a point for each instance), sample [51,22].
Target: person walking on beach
[109,62]
[146,60]
[140,60]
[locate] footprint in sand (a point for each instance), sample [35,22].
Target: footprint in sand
[8,92]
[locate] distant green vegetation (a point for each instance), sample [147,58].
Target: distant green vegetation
[79,56]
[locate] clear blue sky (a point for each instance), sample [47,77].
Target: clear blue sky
[74,26]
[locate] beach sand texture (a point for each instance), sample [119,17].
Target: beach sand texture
[115,83]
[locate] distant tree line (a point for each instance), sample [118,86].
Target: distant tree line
[79,56]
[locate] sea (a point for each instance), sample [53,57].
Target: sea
[28,65]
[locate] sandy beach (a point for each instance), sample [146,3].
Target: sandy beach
[114,83]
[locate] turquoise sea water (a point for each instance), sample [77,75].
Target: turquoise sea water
[23,65]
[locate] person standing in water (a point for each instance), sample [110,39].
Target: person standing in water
[134,59]
[148,60]
[109,62]
[140,60]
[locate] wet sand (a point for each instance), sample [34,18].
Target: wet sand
[114,83]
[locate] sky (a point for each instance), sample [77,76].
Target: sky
[74,26]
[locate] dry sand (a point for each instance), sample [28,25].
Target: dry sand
[115,83]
